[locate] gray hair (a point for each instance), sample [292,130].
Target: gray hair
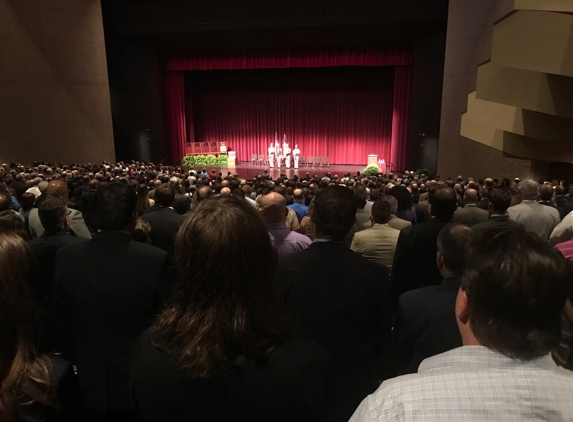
[528,189]
[393,202]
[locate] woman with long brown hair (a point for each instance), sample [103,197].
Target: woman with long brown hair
[34,386]
[223,349]
[143,201]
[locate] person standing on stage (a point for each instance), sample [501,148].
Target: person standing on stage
[271,156]
[286,153]
[278,153]
[296,155]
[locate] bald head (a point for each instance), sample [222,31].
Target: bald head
[470,196]
[225,191]
[203,193]
[297,195]
[273,208]
[57,189]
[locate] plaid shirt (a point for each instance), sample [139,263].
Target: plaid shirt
[473,383]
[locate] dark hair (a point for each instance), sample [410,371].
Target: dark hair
[26,201]
[52,213]
[500,200]
[114,206]
[545,192]
[224,307]
[374,195]
[360,198]
[165,194]
[444,203]
[143,201]
[381,212]
[10,222]
[5,201]
[403,196]
[516,285]
[452,243]
[141,232]
[334,211]
[24,373]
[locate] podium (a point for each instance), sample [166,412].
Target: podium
[231,158]
[372,160]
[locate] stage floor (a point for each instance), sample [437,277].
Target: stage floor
[250,171]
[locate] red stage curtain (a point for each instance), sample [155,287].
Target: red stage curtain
[175,90]
[387,55]
[401,114]
[343,114]
[328,57]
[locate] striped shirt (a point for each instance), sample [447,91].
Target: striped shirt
[473,383]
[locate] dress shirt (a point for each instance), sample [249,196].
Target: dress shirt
[285,241]
[300,209]
[473,383]
[563,231]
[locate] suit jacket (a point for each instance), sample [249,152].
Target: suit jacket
[342,301]
[165,223]
[45,248]
[535,217]
[377,244]
[106,293]
[181,204]
[498,222]
[470,215]
[415,258]
[422,214]
[483,204]
[77,224]
[394,222]
[426,323]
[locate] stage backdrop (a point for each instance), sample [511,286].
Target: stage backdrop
[340,103]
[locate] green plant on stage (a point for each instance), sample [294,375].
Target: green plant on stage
[424,171]
[371,170]
[204,160]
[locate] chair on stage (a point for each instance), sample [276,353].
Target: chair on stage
[318,160]
[325,161]
[254,158]
[301,160]
[310,161]
[261,159]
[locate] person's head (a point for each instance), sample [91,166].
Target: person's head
[380,213]
[165,195]
[375,195]
[403,196]
[142,232]
[393,202]
[443,203]
[203,193]
[334,212]
[452,245]
[11,222]
[58,189]
[23,372]
[527,190]
[470,196]
[93,184]
[53,214]
[512,294]
[273,208]
[545,193]
[27,200]
[360,197]
[298,196]
[223,304]
[115,208]
[499,201]
[226,191]
[5,201]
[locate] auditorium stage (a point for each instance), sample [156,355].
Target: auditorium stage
[250,171]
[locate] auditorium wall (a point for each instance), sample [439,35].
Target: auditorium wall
[55,102]
[468,44]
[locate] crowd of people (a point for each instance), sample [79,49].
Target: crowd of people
[141,292]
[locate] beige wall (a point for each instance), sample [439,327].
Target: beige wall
[469,40]
[54,93]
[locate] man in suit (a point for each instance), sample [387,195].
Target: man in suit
[377,243]
[483,203]
[59,189]
[340,300]
[394,222]
[470,214]
[415,258]
[107,292]
[164,222]
[426,322]
[499,201]
[535,217]
[182,202]
[546,195]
